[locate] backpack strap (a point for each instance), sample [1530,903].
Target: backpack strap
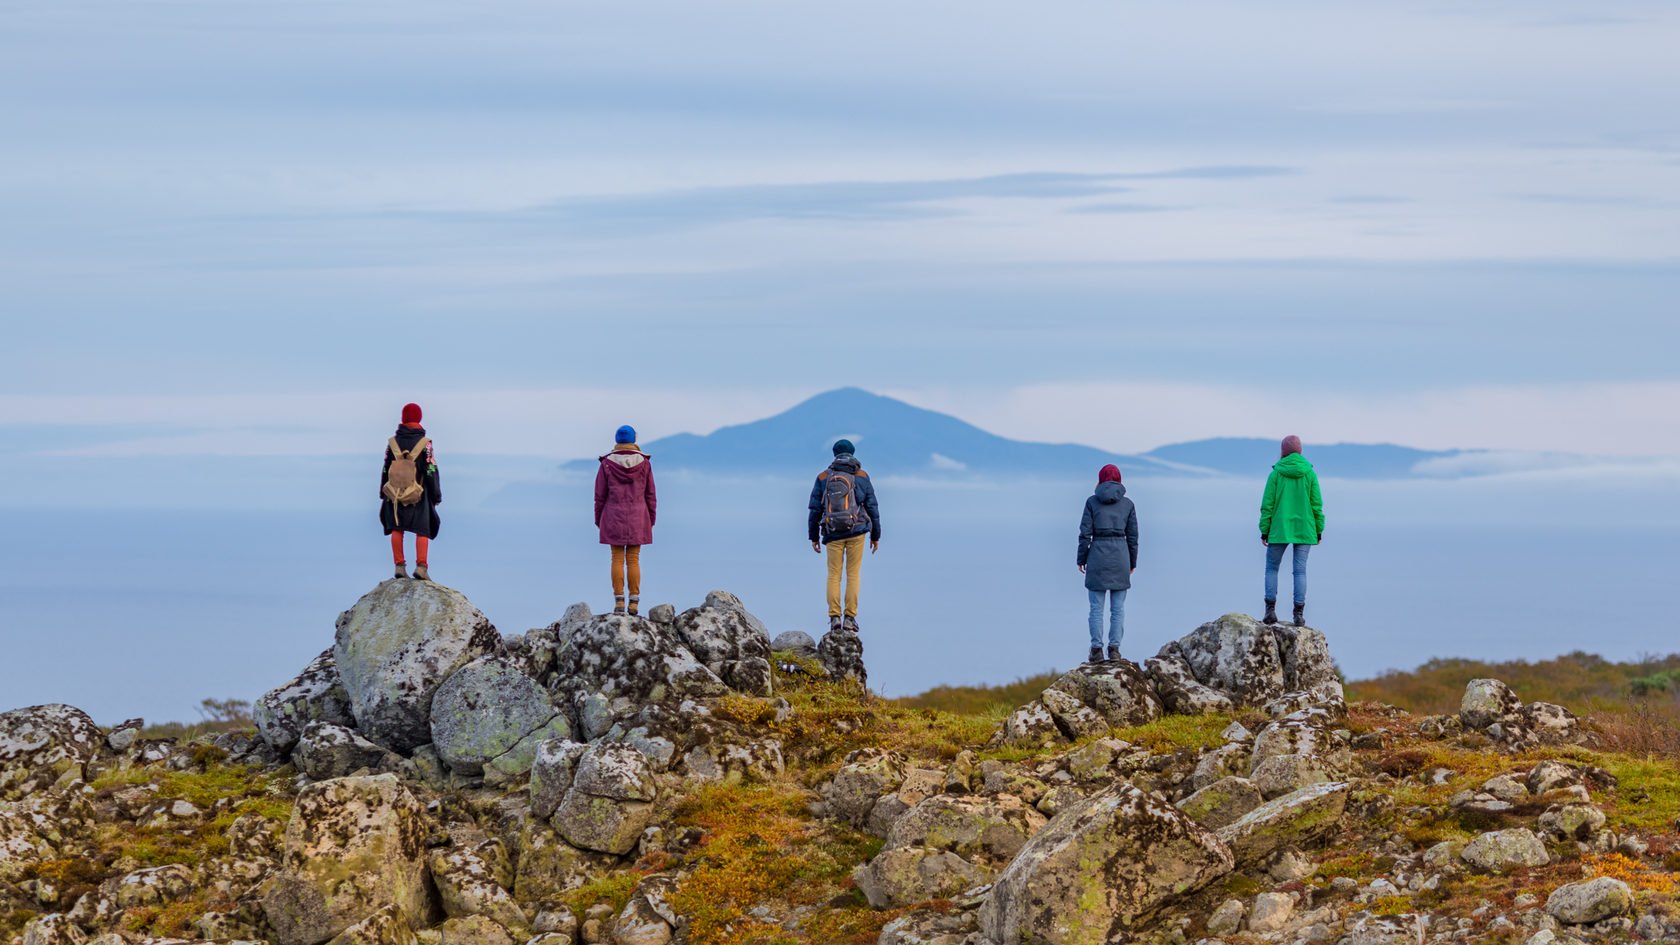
[420,448]
[394,448]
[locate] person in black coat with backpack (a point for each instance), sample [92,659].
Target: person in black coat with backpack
[1108,549]
[410,492]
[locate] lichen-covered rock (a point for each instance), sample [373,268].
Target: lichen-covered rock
[1295,752]
[1501,850]
[647,918]
[797,642]
[1222,762]
[1592,901]
[53,929]
[1179,690]
[930,927]
[866,775]
[978,828]
[551,774]
[328,751]
[353,846]
[1116,691]
[396,646]
[43,744]
[731,642]
[467,884]
[1271,912]
[1548,776]
[609,800]
[1307,665]
[1075,719]
[611,666]
[388,926]
[1293,820]
[1550,723]
[314,695]
[1222,803]
[1235,655]
[36,828]
[1098,868]
[1486,702]
[841,653]
[545,866]
[1030,726]
[904,875]
[1572,821]
[484,709]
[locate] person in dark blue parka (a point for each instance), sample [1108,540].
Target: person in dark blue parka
[1108,549]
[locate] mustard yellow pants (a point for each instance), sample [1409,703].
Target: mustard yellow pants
[847,555]
[627,563]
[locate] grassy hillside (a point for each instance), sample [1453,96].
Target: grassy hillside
[1575,679]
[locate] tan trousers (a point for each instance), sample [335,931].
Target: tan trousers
[847,555]
[627,562]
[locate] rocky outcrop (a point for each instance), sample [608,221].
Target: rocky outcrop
[1293,820]
[40,745]
[1246,662]
[485,709]
[1592,901]
[598,797]
[332,751]
[729,641]
[396,646]
[353,846]
[611,666]
[1098,868]
[1493,709]
[841,654]
[314,695]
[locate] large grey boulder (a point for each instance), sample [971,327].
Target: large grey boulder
[1181,693]
[42,744]
[314,695]
[981,829]
[1501,850]
[353,846]
[1118,692]
[1486,702]
[904,875]
[396,647]
[731,642]
[1592,901]
[1098,868]
[841,653]
[865,776]
[484,709]
[1222,803]
[611,666]
[1247,662]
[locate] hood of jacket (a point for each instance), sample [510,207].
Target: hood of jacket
[1109,493]
[626,465]
[1293,466]
[846,463]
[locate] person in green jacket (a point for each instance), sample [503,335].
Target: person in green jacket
[1291,513]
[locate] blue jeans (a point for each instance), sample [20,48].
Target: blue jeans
[1116,617]
[1274,558]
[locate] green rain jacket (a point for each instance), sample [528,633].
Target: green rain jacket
[1292,510]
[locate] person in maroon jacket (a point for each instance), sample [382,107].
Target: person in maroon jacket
[625,508]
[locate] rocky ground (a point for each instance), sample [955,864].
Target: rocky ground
[686,778]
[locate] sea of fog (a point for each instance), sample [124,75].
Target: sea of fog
[145,612]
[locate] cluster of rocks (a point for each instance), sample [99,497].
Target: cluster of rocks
[586,733]
[1492,709]
[1226,664]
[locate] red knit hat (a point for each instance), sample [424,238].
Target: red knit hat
[1109,473]
[411,413]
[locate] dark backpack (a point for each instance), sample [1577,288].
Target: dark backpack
[841,513]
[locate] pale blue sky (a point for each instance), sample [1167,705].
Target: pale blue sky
[242,225]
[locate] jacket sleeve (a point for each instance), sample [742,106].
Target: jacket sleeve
[600,493]
[434,479]
[1268,504]
[1132,533]
[385,473]
[1085,532]
[873,508]
[1317,506]
[814,520]
[652,498]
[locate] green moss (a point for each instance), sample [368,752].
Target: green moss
[1173,732]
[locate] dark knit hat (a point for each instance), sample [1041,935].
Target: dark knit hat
[411,413]
[1109,473]
[625,434]
[1291,444]
[844,446]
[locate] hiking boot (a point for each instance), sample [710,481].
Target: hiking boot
[635,606]
[421,574]
[849,623]
[1271,613]
[834,624]
[1300,615]
[1114,654]
[402,570]
[618,605]
[1095,656]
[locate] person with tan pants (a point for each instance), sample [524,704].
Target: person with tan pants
[843,513]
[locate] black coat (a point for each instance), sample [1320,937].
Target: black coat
[421,518]
[864,492]
[1108,539]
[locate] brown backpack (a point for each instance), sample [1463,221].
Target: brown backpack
[402,480]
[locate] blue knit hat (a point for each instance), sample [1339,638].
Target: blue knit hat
[843,446]
[625,434]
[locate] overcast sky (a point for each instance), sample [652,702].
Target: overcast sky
[252,226]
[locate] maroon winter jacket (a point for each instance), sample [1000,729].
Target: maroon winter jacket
[625,501]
